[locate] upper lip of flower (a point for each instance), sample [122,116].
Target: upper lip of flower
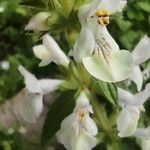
[50,51]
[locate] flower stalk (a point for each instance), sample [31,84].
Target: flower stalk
[103,122]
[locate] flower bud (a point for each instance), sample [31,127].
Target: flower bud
[38,22]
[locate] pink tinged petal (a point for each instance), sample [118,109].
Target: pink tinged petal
[88,10]
[137,77]
[57,55]
[84,45]
[127,121]
[142,133]
[116,67]
[30,80]
[111,5]
[141,52]
[38,22]
[32,107]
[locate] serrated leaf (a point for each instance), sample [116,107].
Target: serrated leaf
[62,107]
[108,90]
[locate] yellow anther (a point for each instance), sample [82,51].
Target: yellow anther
[82,115]
[102,13]
[103,20]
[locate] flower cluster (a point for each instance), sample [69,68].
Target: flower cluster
[102,59]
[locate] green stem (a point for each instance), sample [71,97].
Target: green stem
[104,123]
[101,116]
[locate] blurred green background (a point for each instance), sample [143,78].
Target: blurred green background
[16,48]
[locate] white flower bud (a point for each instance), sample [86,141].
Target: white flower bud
[38,22]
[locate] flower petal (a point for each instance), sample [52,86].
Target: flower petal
[72,142]
[38,22]
[141,52]
[86,142]
[58,56]
[124,97]
[137,100]
[82,100]
[68,121]
[102,36]
[91,126]
[41,52]
[111,5]
[30,80]
[137,77]
[49,85]
[142,96]
[117,68]
[88,10]
[67,138]
[142,133]
[45,62]
[32,107]
[146,144]
[127,121]
[84,45]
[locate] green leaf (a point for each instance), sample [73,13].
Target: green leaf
[62,107]
[145,6]
[67,5]
[33,3]
[108,90]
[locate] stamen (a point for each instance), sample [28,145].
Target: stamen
[82,115]
[103,20]
[103,13]
[103,17]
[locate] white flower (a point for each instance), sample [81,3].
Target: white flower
[96,49]
[35,90]
[101,6]
[38,22]
[4,65]
[144,134]
[146,144]
[10,131]
[2,9]
[78,130]
[127,121]
[140,54]
[49,51]
[131,107]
